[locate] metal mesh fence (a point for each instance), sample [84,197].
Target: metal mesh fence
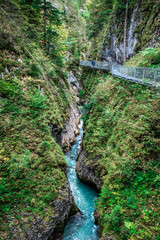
[150,76]
[97,65]
[147,76]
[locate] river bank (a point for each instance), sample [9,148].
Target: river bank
[82,225]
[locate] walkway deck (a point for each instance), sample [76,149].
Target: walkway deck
[146,76]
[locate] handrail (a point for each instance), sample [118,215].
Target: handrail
[141,75]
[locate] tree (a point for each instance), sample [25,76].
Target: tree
[99,14]
[51,18]
[44,21]
[43,9]
[125,33]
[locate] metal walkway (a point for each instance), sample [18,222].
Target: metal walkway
[146,76]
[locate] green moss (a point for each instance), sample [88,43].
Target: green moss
[33,94]
[149,57]
[101,23]
[25,142]
[121,137]
[148,24]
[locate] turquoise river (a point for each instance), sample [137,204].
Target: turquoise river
[81,226]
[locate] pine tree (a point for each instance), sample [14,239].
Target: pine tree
[125,33]
[44,21]
[51,18]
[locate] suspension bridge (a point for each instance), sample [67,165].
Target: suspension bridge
[141,75]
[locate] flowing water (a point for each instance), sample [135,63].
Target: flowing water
[81,226]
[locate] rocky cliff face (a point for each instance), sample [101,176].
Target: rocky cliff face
[40,229]
[62,208]
[86,173]
[137,38]
[71,129]
[113,50]
[67,136]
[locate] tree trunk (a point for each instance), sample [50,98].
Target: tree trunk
[45,22]
[125,33]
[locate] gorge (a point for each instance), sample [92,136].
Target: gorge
[79,147]
[80,226]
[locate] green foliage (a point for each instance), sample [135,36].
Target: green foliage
[34,71]
[81,94]
[122,140]
[104,14]
[34,94]
[99,13]
[30,160]
[7,89]
[28,26]
[150,57]
[148,24]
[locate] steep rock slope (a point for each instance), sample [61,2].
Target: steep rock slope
[108,33]
[142,31]
[121,149]
[35,98]
[32,164]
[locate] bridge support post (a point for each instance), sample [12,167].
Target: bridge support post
[155,75]
[112,69]
[143,74]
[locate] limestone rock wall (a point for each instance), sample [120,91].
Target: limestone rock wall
[40,229]
[137,39]
[68,135]
[86,173]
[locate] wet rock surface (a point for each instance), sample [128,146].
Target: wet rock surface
[39,229]
[67,136]
[73,81]
[112,49]
[71,128]
[107,237]
[56,133]
[86,172]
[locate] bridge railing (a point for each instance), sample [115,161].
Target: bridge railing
[147,76]
[96,64]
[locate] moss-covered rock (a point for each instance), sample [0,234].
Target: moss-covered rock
[106,28]
[121,139]
[35,96]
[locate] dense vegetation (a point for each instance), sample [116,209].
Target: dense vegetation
[40,42]
[34,93]
[105,17]
[122,139]
[149,57]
